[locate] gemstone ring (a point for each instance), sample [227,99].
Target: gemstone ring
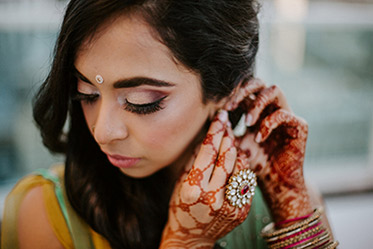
[241,188]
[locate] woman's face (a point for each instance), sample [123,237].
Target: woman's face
[149,108]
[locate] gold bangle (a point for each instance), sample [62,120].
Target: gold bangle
[299,237]
[269,230]
[315,242]
[274,238]
[332,245]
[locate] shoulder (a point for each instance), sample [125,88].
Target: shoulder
[33,227]
[32,217]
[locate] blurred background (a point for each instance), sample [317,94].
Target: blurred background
[320,52]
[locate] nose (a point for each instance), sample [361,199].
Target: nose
[110,125]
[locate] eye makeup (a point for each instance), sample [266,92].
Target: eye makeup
[140,102]
[144,109]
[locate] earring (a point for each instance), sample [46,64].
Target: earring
[240,128]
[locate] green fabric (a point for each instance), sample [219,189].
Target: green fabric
[247,235]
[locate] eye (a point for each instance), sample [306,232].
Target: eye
[144,109]
[86,98]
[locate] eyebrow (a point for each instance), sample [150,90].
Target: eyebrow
[130,82]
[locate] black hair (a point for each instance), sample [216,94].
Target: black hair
[218,39]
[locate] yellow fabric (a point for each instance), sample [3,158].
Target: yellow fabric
[99,241]
[12,202]
[55,216]
[9,238]
[245,236]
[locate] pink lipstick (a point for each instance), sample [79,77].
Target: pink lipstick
[122,162]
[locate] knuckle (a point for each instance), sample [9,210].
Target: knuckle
[275,88]
[208,151]
[260,102]
[231,154]
[189,195]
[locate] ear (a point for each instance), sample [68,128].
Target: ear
[232,101]
[228,103]
[239,93]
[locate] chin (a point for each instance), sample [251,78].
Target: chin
[139,173]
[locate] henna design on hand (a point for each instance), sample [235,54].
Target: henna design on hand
[199,213]
[275,143]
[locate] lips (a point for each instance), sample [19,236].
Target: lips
[121,161]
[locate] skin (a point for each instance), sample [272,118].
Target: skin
[34,229]
[173,128]
[275,144]
[199,213]
[122,132]
[273,147]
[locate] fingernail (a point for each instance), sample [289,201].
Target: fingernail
[258,137]
[223,115]
[249,119]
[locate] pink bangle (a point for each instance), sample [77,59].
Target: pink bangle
[293,219]
[303,240]
[298,233]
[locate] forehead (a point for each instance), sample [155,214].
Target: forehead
[129,45]
[129,28]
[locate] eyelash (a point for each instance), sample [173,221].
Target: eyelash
[86,98]
[141,109]
[144,109]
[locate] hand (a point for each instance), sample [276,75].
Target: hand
[275,144]
[199,213]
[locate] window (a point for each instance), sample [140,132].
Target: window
[321,55]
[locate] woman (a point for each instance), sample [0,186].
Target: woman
[151,162]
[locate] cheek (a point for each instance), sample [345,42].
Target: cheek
[175,128]
[89,113]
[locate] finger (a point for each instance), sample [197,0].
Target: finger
[295,126]
[270,95]
[204,164]
[225,162]
[245,92]
[242,162]
[188,166]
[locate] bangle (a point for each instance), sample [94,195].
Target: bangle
[296,237]
[293,233]
[307,233]
[269,231]
[313,240]
[293,219]
[332,245]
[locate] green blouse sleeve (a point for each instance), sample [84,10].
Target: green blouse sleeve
[247,235]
